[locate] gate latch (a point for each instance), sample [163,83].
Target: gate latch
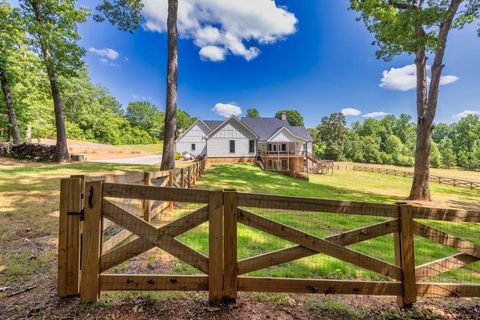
[81,214]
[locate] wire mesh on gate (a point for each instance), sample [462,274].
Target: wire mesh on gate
[253,242]
[136,252]
[447,252]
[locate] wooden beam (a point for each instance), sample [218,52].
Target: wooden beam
[147,212]
[92,243]
[319,245]
[315,205]
[215,247]
[69,250]
[297,252]
[155,193]
[407,250]
[257,284]
[439,266]
[230,268]
[153,282]
[157,237]
[446,214]
[446,239]
[456,290]
[115,240]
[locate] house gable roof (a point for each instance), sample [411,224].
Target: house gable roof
[279,130]
[265,128]
[201,124]
[231,118]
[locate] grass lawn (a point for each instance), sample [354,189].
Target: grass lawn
[344,185]
[458,173]
[29,219]
[156,148]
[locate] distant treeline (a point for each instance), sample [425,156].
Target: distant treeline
[91,112]
[392,140]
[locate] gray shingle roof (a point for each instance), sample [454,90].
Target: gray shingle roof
[213,124]
[264,128]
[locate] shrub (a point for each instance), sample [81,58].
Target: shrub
[177,155]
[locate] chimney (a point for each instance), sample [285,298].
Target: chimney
[283,116]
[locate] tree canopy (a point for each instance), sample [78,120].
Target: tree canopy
[294,117]
[253,113]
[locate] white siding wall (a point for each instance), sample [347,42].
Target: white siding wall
[194,136]
[285,136]
[218,145]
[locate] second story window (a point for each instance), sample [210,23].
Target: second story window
[193,146]
[232,146]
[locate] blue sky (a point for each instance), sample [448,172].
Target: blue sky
[321,64]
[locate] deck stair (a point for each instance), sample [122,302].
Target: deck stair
[320,165]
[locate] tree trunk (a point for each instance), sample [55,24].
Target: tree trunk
[168,157]
[11,111]
[427,105]
[61,152]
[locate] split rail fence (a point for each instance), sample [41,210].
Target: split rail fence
[454,182]
[85,258]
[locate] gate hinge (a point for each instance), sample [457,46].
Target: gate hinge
[81,214]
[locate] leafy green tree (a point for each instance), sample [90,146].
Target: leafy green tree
[294,117]
[52,26]
[436,156]
[140,114]
[184,121]
[441,131]
[12,36]
[418,28]
[449,159]
[332,132]
[253,113]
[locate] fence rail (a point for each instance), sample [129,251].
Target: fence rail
[222,273]
[75,197]
[473,185]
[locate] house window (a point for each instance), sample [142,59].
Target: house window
[284,147]
[193,146]
[232,146]
[251,146]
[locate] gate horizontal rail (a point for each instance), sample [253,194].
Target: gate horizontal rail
[224,274]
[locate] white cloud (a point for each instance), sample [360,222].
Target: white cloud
[213,53]
[227,109]
[351,112]
[405,78]
[376,114]
[221,27]
[105,53]
[465,113]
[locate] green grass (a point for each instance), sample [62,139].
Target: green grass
[29,219]
[156,148]
[344,185]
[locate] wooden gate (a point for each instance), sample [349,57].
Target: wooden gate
[223,275]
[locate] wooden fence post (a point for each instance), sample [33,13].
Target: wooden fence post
[182,178]
[230,267]
[189,177]
[92,242]
[147,212]
[170,184]
[69,237]
[215,247]
[404,255]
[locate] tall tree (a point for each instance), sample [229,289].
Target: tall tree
[52,25]
[11,38]
[294,117]
[168,156]
[420,28]
[332,133]
[126,15]
[253,113]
